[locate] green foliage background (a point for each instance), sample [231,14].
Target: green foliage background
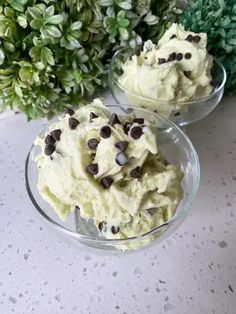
[217,18]
[54,53]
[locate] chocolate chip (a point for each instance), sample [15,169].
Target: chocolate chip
[189,38]
[187,74]
[92,169]
[92,116]
[196,38]
[49,139]
[93,143]
[127,126]
[173,36]
[73,123]
[136,132]
[101,225]
[77,207]
[138,120]
[179,56]
[122,145]
[49,149]
[172,57]
[161,60]
[122,159]
[177,114]
[188,55]
[56,134]
[105,131]
[115,230]
[106,182]
[114,119]
[69,111]
[135,173]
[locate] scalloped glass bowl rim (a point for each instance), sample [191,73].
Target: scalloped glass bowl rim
[111,78]
[185,207]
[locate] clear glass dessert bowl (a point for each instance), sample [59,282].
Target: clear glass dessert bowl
[174,145]
[191,111]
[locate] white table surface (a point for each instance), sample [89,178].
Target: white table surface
[194,271]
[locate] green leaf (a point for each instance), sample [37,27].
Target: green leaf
[105,3]
[49,12]
[36,24]
[8,46]
[53,31]
[22,21]
[47,56]
[35,12]
[56,19]
[126,5]
[232,41]
[2,56]
[124,33]
[17,89]
[151,19]
[25,74]
[35,53]
[76,26]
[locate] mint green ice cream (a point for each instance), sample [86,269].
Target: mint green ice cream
[176,70]
[110,167]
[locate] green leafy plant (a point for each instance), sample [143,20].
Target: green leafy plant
[54,53]
[217,18]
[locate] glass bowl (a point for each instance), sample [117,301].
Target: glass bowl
[192,110]
[175,147]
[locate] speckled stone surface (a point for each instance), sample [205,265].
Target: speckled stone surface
[194,271]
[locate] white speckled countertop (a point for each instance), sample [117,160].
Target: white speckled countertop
[194,271]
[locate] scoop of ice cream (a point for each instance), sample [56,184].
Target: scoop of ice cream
[177,69]
[108,166]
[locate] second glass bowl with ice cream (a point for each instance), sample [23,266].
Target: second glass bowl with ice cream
[112,177]
[176,78]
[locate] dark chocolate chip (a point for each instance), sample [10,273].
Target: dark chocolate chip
[179,56]
[56,134]
[188,55]
[122,145]
[92,169]
[161,60]
[106,182]
[114,119]
[73,123]
[49,139]
[92,116]
[127,126]
[166,162]
[101,225]
[196,38]
[172,57]
[138,120]
[136,132]
[189,38]
[173,36]
[122,159]
[115,230]
[177,114]
[49,149]
[135,173]
[105,131]
[93,143]
[187,74]
[69,111]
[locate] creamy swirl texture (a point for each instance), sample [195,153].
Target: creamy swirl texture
[110,167]
[177,69]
